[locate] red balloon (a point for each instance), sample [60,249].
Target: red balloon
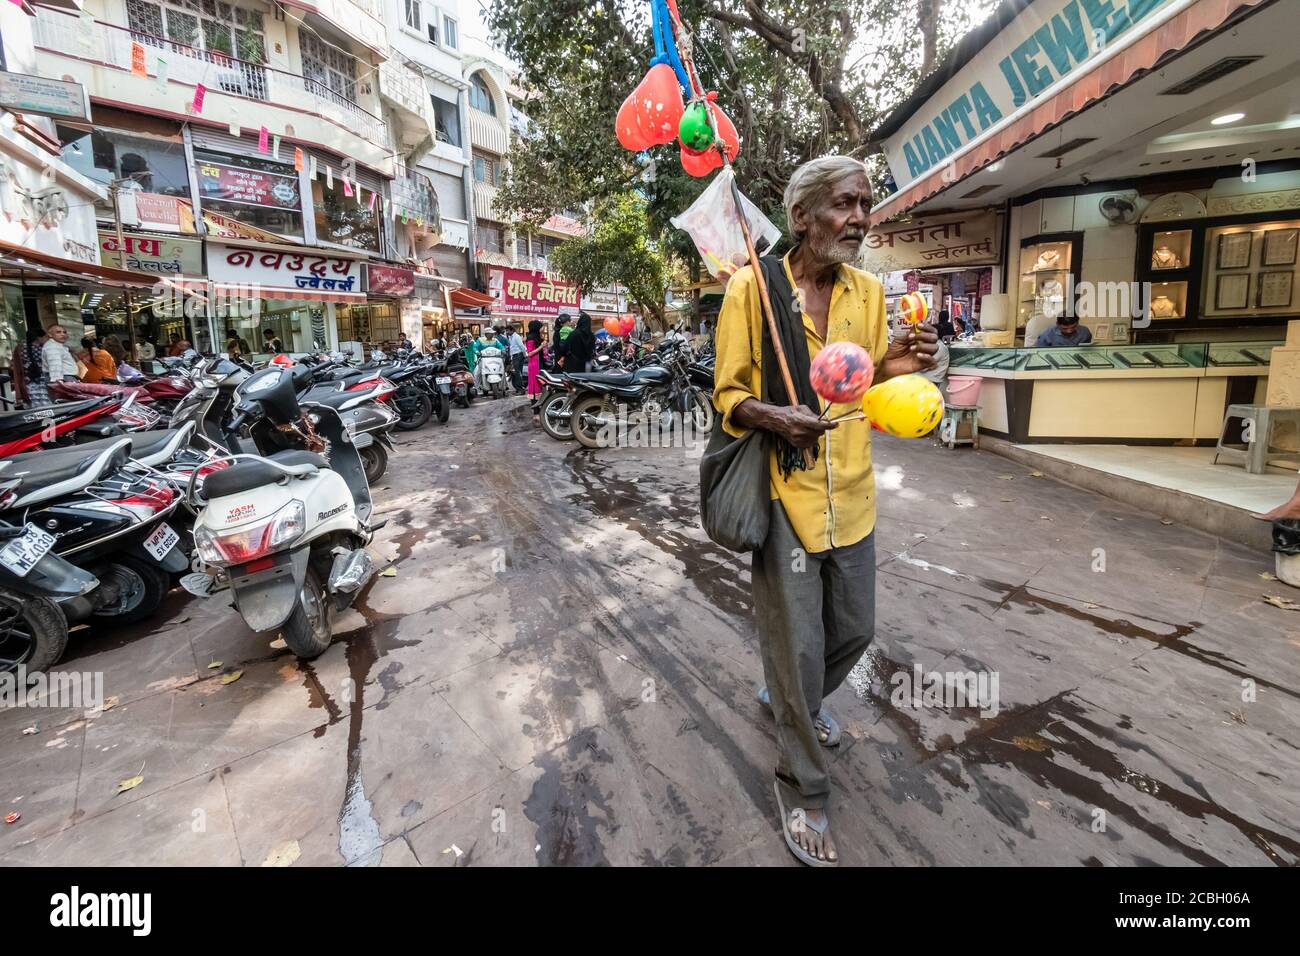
[701,164]
[841,373]
[612,324]
[727,134]
[659,105]
[627,324]
[628,128]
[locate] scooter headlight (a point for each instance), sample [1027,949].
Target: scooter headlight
[252,541]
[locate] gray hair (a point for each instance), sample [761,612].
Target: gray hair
[812,181]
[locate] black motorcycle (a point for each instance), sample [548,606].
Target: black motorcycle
[40,593]
[653,395]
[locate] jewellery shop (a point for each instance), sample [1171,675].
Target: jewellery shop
[1148,187]
[267,299]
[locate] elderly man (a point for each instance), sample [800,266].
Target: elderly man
[814,577]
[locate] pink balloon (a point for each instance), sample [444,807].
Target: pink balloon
[627,324]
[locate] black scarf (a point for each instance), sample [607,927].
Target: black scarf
[794,342]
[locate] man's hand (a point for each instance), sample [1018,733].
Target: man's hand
[913,352]
[798,424]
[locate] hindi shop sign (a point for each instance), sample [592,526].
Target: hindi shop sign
[304,271]
[249,187]
[1047,42]
[531,293]
[162,255]
[933,242]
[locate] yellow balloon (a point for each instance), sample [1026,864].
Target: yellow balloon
[908,406]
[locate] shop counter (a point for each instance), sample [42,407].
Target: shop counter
[1142,394]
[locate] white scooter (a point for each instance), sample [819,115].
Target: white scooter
[287,533]
[491,371]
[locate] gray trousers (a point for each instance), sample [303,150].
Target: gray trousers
[813,625]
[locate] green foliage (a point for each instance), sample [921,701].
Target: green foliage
[617,249]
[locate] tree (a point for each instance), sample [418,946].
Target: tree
[617,249]
[800,78]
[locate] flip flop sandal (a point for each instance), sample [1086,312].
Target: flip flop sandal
[802,855]
[823,715]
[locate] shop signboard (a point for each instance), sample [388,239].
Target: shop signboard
[249,187]
[21,93]
[958,240]
[1047,45]
[304,271]
[161,255]
[218,226]
[531,293]
[159,213]
[389,280]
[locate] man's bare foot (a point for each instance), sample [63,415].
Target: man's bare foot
[805,832]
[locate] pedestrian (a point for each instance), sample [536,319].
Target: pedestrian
[580,346]
[27,372]
[536,353]
[814,575]
[126,373]
[945,327]
[60,363]
[517,358]
[178,346]
[558,336]
[99,364]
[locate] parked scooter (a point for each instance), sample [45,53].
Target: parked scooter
[286,533]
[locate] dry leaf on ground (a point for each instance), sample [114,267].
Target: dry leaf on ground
[283,855]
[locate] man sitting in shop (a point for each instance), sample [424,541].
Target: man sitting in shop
[271,342]
[1066,333]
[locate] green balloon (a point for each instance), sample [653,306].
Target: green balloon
[694,130]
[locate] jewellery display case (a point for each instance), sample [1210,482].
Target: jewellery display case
[1171,250]
[1047,266]
[1188,356]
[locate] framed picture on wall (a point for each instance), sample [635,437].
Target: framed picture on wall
[1234,251]
[1275,289]
[1280,247]
[1231,291]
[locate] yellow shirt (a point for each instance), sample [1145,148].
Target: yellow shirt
[834,504]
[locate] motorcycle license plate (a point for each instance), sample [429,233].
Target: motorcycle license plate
[443,380]
[161,541]
[21,554]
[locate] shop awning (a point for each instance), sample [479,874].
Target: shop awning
[469,299]
[1108,76]
[21,258]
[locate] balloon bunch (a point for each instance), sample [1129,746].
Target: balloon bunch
[670,103]
[619,325]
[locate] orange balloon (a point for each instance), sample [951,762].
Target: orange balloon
[700,164]
[612,324]
[659,105]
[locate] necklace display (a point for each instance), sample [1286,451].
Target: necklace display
[1163,308]
[1165,258]
[1047,259]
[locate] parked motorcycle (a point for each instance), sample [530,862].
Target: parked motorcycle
[40,593]
[287,533]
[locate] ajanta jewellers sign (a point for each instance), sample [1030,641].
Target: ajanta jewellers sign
[1047,42]
[307,271]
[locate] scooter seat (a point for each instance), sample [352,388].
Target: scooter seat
[38,469]
[247,475]
[30,419]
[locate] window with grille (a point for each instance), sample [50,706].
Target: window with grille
[328,70]
[479,96]
[486,168]
[521,245]
[207,26]
[489,238]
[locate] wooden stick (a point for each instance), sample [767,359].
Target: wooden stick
[850,417]
[777,350]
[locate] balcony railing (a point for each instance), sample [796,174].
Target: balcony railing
[111,45]
[403,88]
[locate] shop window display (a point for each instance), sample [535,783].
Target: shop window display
[1045,271]
[1250,269]
[372,324]
[296,325]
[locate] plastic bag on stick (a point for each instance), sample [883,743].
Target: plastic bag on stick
[714,227]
